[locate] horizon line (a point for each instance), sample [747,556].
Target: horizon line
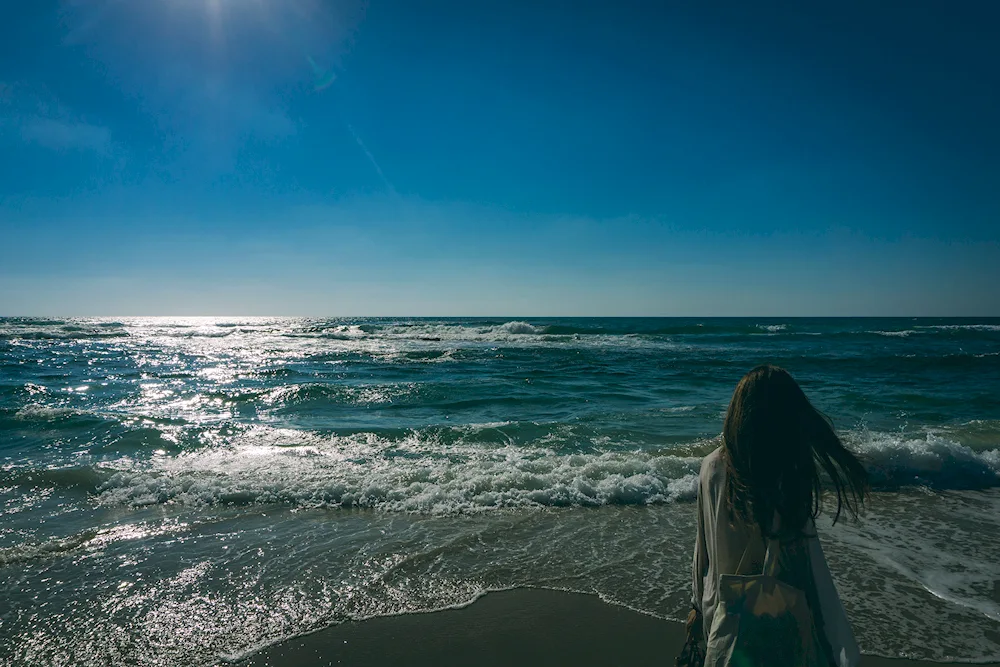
[515,317]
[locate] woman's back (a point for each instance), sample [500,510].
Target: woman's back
[763,485]
[726,547]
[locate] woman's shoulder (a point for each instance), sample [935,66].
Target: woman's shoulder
[713,467]
[712,461]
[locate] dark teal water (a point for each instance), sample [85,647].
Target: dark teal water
[242,480]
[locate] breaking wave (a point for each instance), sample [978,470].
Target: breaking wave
[445,472]
[412,475]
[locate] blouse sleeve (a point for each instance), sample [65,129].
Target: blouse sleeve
[699,564]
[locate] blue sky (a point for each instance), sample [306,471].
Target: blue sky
[541,158]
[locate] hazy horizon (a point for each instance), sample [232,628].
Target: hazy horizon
[493,317]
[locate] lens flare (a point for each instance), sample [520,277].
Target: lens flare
[322,78]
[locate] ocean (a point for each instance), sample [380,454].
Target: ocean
[185,491]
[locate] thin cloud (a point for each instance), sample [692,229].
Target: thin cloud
[371,158]
[66,135]
[35,119]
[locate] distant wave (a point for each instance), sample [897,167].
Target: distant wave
[687,329]
[554,331]
[961,327]
[954,329]
[50,418]
[504,330]
[38,412]
[520,328]
[34,335]
[51,547]
[470,330]
[85,477]
[339,332]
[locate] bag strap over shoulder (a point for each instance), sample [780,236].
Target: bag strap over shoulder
[773,547]
[742,558]
[771,557]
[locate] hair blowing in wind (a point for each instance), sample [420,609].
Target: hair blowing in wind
[777,447]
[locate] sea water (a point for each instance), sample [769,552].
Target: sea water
[185,491]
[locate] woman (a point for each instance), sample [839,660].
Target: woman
[764,483]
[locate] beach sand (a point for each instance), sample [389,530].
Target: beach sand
[517,627]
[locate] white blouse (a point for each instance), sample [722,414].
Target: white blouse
[721,544]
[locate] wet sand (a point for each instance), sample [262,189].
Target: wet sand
[518,627]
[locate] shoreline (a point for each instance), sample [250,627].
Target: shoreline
[518,626]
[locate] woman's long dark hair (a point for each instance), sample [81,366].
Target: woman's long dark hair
[775,443]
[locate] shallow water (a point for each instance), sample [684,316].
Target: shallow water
[182,491]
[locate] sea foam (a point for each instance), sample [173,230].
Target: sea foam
[412,475]
[442,473]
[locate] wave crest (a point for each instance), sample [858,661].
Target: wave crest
[469,468]
[368,471]
[518,327]
[38,412]
[933,461]
[438,473]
